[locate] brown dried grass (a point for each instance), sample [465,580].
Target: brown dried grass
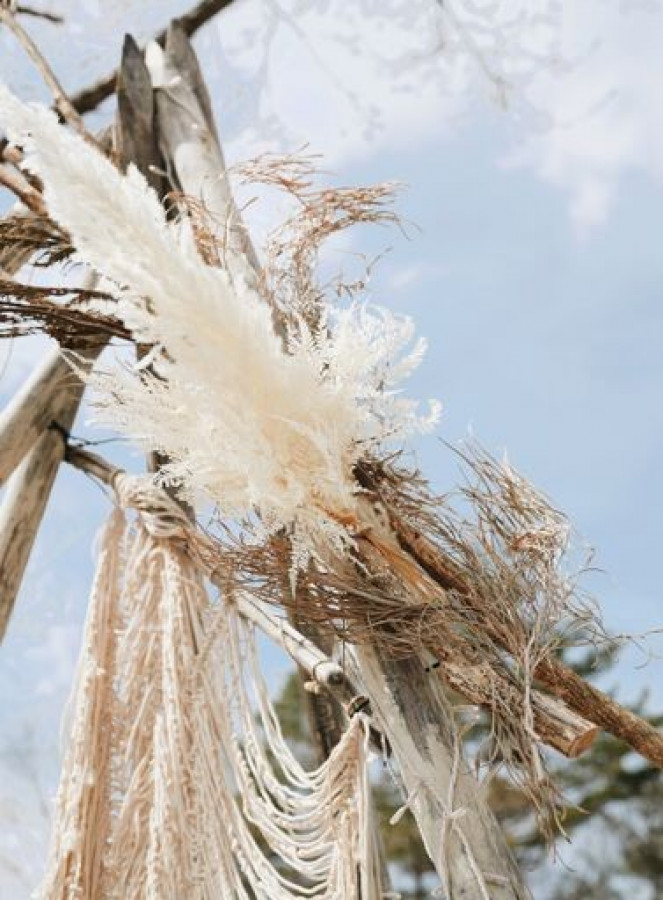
[32,238]
[507,551]
[62,313]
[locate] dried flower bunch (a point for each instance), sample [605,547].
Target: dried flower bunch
[290,432]
[243,424]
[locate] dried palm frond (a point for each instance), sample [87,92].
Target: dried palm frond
[60,312]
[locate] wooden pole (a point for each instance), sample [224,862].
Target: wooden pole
[460,833]
[32,408]
[28,492]
[319,667]
[89,98]
[189,140]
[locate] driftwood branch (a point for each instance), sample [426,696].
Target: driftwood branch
[33,408]
[26,498]
[52,397]
[459,831]
[136,133]
[588,700]
[580,696]
[89,98]
[190,142]
[91,464]
[554,723]
[319,667]
[326,725]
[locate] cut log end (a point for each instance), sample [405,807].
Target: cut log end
[582,743]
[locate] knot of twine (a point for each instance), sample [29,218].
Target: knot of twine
[160,515]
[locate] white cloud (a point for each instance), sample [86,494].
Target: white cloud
[355,83]
[405,277]
[336,76]
[605,113]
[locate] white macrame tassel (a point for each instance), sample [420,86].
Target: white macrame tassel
[177,782]
[82,812]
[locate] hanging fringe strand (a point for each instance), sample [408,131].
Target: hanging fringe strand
[177,781]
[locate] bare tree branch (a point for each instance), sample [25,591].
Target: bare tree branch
[39,14]
[63,104]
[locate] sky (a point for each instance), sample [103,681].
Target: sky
[528,141]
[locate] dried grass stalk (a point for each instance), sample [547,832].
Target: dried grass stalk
[289,277]
[65,314]
[33,237]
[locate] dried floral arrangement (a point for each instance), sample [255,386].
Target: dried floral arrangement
[264,394]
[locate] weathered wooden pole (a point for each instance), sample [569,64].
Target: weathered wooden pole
[33,435]
[31,410]
[25,500]
[460,833]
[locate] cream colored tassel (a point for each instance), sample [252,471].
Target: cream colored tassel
[177,783]
[83,805]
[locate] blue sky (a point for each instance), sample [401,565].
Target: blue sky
[534,270]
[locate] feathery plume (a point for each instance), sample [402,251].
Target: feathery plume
[247,425]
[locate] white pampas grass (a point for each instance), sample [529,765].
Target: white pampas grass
[249,427]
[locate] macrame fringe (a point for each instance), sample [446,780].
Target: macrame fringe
[177,781]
